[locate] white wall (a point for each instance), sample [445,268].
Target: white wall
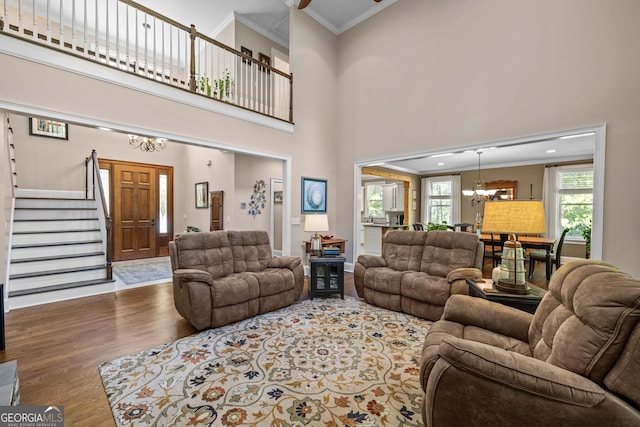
[250,169]
[257,43]
[194,168]
[430,74]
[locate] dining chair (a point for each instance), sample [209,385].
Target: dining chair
[496,248]
[418,226]
[554,257]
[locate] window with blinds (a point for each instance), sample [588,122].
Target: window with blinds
[575,199]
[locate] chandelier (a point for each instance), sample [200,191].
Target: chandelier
[479,193]
[147,144]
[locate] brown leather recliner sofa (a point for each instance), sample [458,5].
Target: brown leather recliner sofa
[418,271]
[575,362]
[220,277]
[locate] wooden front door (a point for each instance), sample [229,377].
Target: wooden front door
[217,212]
[135,211]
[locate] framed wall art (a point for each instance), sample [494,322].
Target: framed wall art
[264,59]
[247,52]
[48,128]
[277,197]
[314,195]
[202,195]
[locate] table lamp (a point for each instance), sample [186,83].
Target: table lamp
[513,217]
[316,223]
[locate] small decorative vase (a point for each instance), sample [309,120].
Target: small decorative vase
[495,274]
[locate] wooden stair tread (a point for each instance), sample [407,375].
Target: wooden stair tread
[61,271]
[56,257]
[75,230]
[46,245]
[59,287]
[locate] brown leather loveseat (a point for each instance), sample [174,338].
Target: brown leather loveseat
[575,362]
[220,277]
[418,271]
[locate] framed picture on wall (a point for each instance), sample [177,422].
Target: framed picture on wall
[277,197]
[202,195]
[247,52]
[314,195]
[48,128]
[264,59]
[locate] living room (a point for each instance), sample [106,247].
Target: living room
[418,76]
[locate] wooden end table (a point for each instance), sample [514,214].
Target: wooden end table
[486,290]
[327,276]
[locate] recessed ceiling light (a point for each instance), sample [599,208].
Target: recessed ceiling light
[440,164]
[103,128]
[441,155]
[551,151]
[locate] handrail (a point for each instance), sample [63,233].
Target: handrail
[166,51]
[108,221]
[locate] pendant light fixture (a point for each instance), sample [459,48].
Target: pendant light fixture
[478,193]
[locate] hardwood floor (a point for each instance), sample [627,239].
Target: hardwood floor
[60,345]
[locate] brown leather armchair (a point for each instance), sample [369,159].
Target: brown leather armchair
[575,362]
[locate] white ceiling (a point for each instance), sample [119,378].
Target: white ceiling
[543,151]
[269,17]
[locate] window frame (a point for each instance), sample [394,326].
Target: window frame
[559,191]
[429,197]
[366,197]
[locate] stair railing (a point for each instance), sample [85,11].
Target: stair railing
[95,190]
[130,37]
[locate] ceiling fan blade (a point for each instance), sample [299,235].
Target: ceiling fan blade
[377,1]
[303,4]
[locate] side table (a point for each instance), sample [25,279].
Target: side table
[486,290]
[327,276]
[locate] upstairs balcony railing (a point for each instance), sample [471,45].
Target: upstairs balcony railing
[130,37]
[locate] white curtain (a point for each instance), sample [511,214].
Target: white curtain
[456,200]
[424,198]
[550,200]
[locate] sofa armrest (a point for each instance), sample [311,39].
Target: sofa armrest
[456,279]
[501,319]
[522,372]
[463,274]
[505,388]
[369,261]
[192,275]
[290,262]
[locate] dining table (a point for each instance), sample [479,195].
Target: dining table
[529,242]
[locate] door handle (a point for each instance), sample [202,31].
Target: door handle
[153,222]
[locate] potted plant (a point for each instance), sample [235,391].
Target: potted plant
[586,235]
[431,226]
[220,88]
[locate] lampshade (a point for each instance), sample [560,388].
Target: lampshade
[514,217]
[315,223]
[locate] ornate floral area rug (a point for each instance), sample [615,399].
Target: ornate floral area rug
[326,362]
